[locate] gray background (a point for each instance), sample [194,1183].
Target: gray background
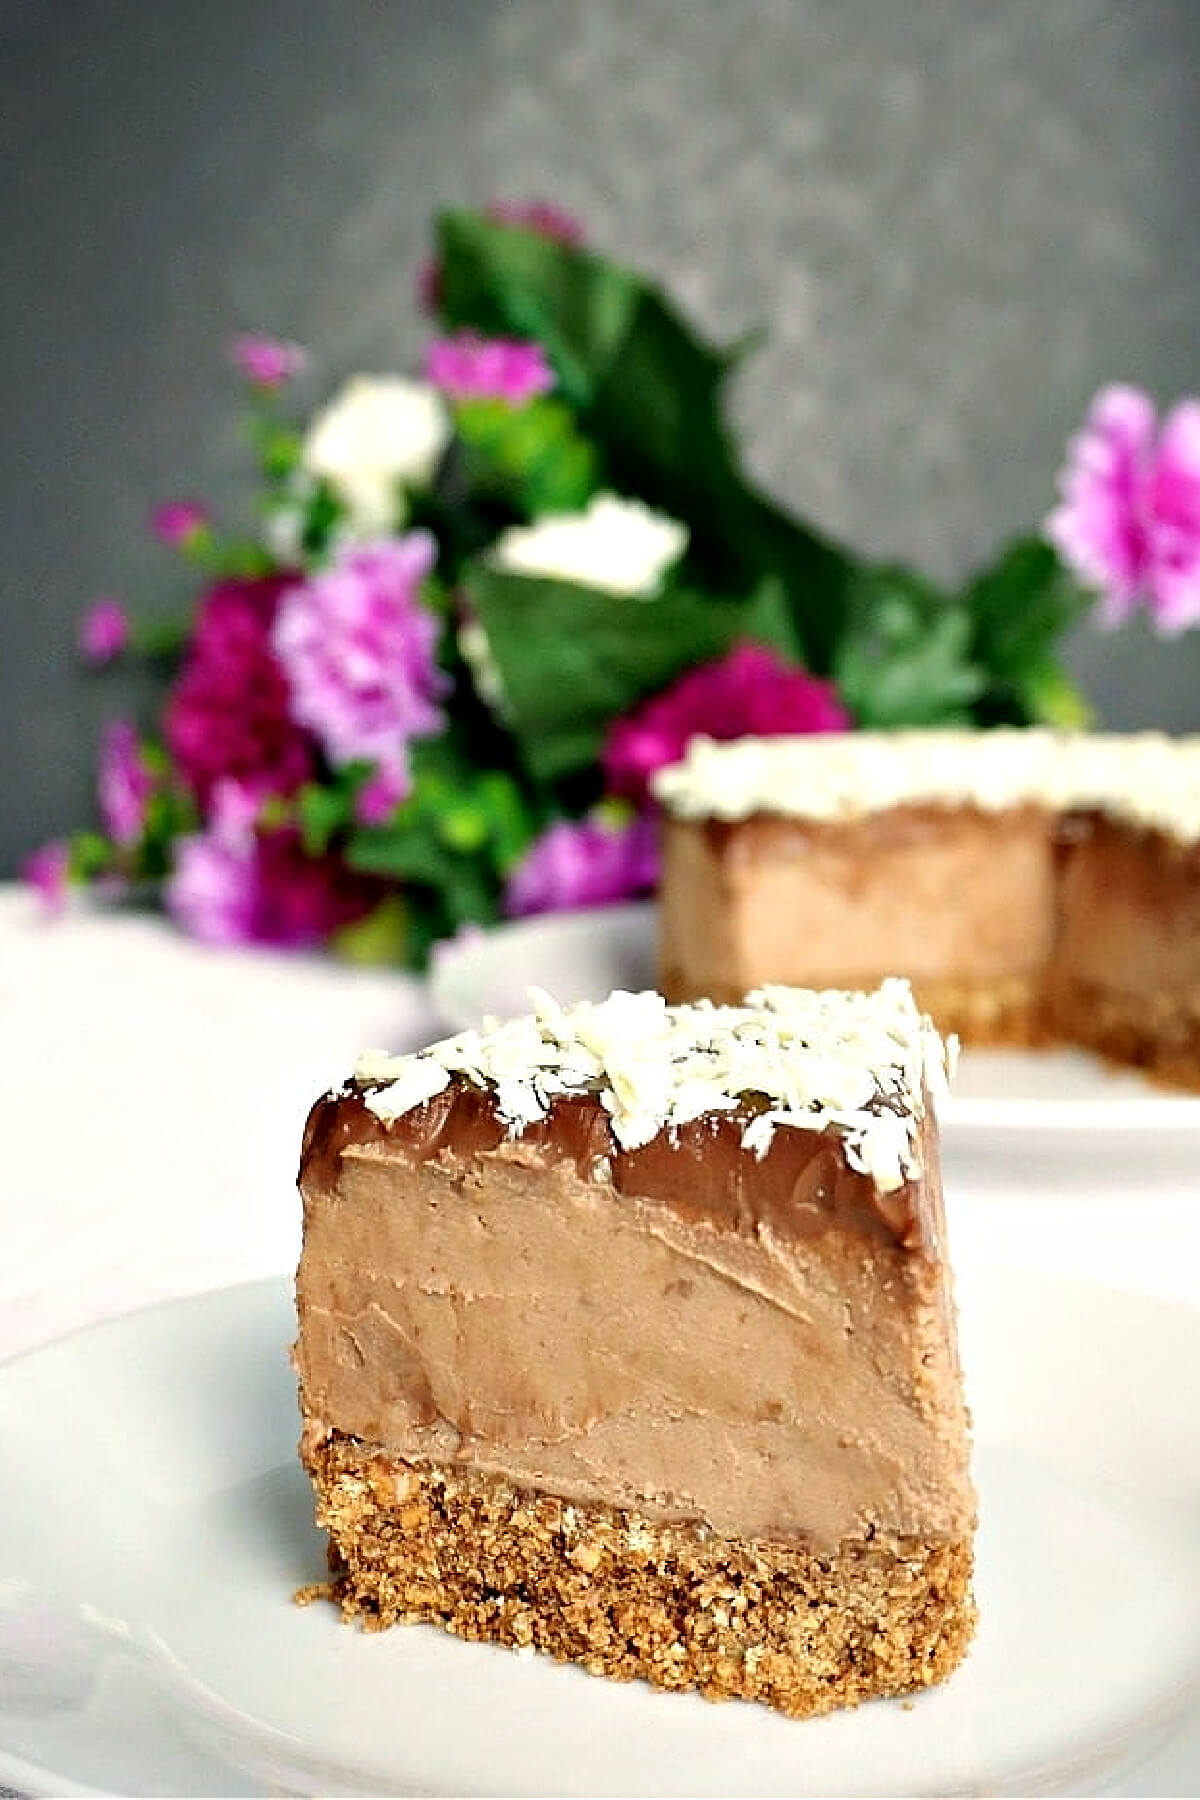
[958,218]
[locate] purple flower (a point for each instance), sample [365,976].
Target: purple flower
[1128,519]
[265,361]
[125,784]
[585,862]
[227,717]
[467,366]
[46,871]
[542,216]
[103,631]
[237,884]
[178,522]
[358,648]
[211,890]
[751,692]
[379,796]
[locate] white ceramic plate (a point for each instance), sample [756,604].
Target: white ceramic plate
[580,956]
[154,1523]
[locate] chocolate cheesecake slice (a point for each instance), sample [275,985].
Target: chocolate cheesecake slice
[626,1332]
[1034,887]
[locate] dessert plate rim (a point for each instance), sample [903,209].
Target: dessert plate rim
[148,1640]
[1054,1093]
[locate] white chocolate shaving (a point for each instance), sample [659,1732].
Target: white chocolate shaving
[1145,778]
[860,1064]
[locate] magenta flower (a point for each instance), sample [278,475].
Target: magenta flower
[125,784]
[358,648]
[751,692]
[103,631]
[265,361]
[584,862]
[469,367]
[379,796]
[1128,520]
[47,871]
[542,216]
[178,522]
[228,716]
[233,884]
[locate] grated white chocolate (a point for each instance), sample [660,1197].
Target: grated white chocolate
[860,1063]
[1144,778]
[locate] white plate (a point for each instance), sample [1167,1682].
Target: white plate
[154,1523]
[583,955]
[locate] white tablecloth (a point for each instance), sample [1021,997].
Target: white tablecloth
[154,1092]
[152,1096]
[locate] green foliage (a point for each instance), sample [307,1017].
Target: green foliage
[905,658]
[452,842]
[1020,607]
[572,659]
[650,394]
[531,456]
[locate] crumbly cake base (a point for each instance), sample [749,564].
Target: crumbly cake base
[677,1605]
[1159,1036]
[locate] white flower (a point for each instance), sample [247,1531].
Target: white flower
[617,545]
[380,435]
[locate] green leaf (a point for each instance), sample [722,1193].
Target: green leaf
[1020,607]
[321,813]
[531,456]
[906,656]
[383,936]
[571,659]
[650,393]
[91,855]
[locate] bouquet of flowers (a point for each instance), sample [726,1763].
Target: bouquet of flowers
[479,609]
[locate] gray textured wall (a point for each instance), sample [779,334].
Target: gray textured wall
[957,216]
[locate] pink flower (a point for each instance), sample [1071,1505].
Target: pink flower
[358,648]
[585,862]
[542,216]
[233,884]
[265,361]
[751,692]
[1173,521]
[103,631]
[1098,528]
[125,784]
[467,366]
[1128,519]
[178,522]
[228,716]
[379,797]
[46,871]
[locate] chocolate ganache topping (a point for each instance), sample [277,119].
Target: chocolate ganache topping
[792,1112]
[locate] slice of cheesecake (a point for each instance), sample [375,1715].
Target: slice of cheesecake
[626,1332]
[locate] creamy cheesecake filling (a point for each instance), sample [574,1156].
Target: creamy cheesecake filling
[774,1359]
[848,902]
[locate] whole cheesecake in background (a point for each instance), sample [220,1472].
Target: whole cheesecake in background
[1033,887]
[626,1332]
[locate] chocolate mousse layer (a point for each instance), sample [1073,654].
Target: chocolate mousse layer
[724,1321]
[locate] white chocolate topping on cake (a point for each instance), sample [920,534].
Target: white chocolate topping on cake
[860,1063]
[1146,778]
